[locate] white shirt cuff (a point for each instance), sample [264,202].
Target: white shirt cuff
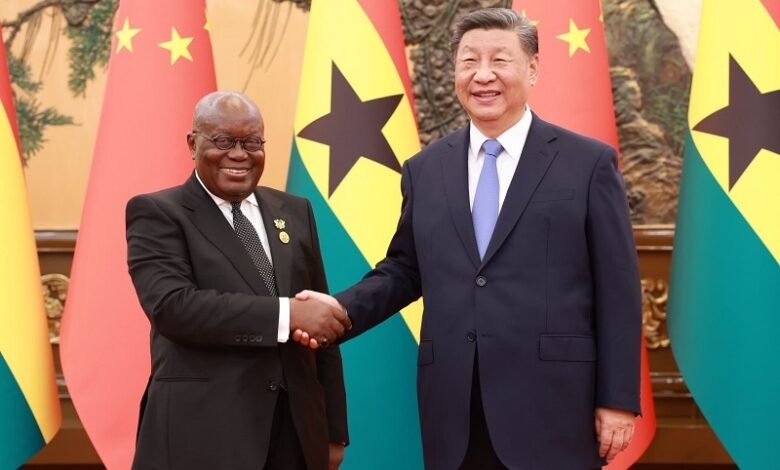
[284,320]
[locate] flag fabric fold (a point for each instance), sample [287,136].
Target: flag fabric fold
[354,128]
[575,92]
[29,405]
[161,64]
[723,300]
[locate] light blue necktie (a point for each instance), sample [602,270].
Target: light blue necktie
[484,212]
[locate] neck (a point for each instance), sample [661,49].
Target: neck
[493,129]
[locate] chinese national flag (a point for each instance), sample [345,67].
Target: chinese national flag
[160,66]
[574,91]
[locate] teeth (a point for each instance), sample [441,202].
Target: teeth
[487,95]
[234,171]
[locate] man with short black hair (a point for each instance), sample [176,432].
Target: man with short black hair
[517,235]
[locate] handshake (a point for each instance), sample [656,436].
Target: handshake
[317,319]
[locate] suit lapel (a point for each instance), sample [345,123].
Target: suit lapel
[281,253]
[210,221]
[456,187]
[538,154]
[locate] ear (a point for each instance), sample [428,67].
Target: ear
[533,69]
[191,144]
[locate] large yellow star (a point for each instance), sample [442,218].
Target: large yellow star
[178,46]
[576,38]
[124,37]
[207,26]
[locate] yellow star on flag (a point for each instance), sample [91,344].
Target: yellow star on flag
[525,15]
[576,38]
[124,37]
[207,26]
[178,46]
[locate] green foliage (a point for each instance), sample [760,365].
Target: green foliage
[668,107]
[33,120]
[91,44]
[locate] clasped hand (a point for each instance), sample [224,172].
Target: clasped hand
[317,319]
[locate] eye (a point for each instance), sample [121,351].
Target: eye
[223,142]
[253,144]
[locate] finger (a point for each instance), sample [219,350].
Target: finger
[337,327]
[304,337]
[626,438]
[297,335]
[598,428]
[314,344]
[303,295]
[617,444]
[605,442]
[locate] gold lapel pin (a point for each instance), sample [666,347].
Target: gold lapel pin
[280,224]
[284,237]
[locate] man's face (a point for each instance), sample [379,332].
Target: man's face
[493,78]
[229,174]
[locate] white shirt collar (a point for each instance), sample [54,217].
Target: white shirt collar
[513,139]
[219,201]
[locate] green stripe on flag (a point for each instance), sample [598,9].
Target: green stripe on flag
[20,437]
[724,315]
[379,366]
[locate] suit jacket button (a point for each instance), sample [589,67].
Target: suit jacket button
[237,338]
[481,281]
[471,336]
[259,338]
[273,386]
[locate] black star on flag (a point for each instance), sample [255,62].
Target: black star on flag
[353,129]
[750,121]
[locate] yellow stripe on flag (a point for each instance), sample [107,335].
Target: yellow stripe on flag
[23,325]
[368,200]
[736,29]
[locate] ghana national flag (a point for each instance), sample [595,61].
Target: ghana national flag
[724,303]
[354,128]
[29,407]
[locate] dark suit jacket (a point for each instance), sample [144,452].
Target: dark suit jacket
[554,308]
[216,365]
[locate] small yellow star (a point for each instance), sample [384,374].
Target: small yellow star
[576,38]
[207,26]
[125,37]
[178,46]
[533,22]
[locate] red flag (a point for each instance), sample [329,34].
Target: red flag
[574,91]
[161,65]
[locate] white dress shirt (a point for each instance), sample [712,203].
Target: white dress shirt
[251,209]
[513,141]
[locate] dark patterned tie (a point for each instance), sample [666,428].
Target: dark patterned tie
[251,241]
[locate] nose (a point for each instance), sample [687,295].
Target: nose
[484,74]
[237,152]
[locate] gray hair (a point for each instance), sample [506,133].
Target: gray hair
[498,18]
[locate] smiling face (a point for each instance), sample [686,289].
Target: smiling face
[229,174]
[493,78]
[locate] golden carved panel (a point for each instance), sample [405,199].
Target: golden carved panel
[655,293]
[55,291]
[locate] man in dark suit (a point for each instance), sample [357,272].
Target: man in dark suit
[213,262]
[517,235]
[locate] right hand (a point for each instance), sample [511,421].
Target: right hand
[320,319]
[303,337]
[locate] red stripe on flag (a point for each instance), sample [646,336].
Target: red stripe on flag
[6,98]
[386,18]
[773,8]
